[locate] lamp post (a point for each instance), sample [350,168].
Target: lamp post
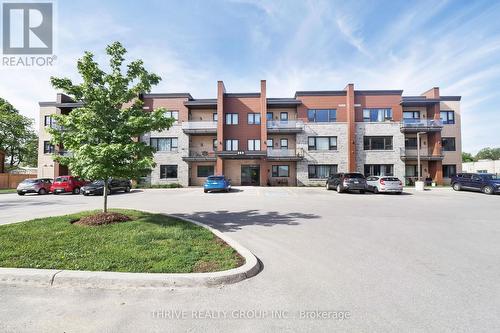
[419,184]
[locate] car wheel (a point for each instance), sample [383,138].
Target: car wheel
[76,190]
[375,190]
[487,190]
[56,193]
[42,191]
[205,191]
[328,187]
[457,187]
[399,192]
[127,189]
[362,191]
[339,188]
[20,193]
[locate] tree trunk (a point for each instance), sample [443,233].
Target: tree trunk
[105,196]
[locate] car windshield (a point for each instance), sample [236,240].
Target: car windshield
[354,175]
[30,181]
[215,178]
[61,179]
[390,179]
[491,177]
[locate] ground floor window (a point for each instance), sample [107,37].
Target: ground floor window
[321,171]
[379,170]
[411,171]
[280,171]
[449,170]
[205,171]
[168,171]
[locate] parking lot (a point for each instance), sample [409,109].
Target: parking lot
[420,261]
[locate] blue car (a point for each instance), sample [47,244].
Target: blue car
[485,182]
[217,183]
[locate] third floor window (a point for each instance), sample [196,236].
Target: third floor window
[172,114]
[322,115]
[253,145]
[448,144]
[322,143]
[164,144]
[377,115]
[254,118]
[448,117]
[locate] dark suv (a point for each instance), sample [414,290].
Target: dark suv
[485,182]
[347,182]
[114,185]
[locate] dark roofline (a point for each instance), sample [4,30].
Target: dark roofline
[321,93]
[378,92]
[209,103]
[242,95]
[168,95]
[450,98]
[62,105]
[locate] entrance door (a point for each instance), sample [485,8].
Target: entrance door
[250,175]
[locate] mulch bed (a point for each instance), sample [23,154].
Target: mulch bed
[102,218]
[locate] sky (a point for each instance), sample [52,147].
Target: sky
[294,45]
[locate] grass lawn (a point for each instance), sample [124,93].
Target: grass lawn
[7,190]
[150,243]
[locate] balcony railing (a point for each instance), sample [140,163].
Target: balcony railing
[292,126]
[425,154]
[201,127]
[417,125]
[195,155]
[285,154]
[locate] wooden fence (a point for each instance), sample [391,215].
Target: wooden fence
[10,180]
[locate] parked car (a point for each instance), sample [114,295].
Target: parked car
[346,182]
[34,185]
[114,185]
[377,184]
[485,182]
[64,184]
[217,183]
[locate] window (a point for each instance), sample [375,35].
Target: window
[231,119]
[321,171]
[482,171]
[164,144]
[322,115]
[284,116]
[378,142]
[322,143]
[377,115]
[448,117]
[48,148]
[253,118]
[204,171]
[49,121]
[215,117]
[214,144]
[284,143]
[253,145]
[270,143]
[411,115]
[411,143]
[172,114]
[448,144]
[280,171]
[231,145]
[449,170]
[379,170]
[411,171]
[269,116]
[168,171]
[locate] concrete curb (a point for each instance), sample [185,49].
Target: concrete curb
[118,280]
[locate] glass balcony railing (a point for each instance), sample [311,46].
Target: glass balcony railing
[285,153]
[425,154]
[285,125]
[199,126]
[421,123]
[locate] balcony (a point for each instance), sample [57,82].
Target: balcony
[285,154]
[241,154]
[425,155]
[420,125]
[199,127]
[285,126]
[200,156]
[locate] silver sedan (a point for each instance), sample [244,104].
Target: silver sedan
[383,184]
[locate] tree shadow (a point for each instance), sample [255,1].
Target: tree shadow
[227,221]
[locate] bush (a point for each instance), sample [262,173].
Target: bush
[171,185]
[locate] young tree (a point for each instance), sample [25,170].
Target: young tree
[102,135]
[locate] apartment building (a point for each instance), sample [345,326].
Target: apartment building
[257,140]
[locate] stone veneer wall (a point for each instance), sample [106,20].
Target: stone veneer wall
[170,157]
[338,156]
[380,156]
